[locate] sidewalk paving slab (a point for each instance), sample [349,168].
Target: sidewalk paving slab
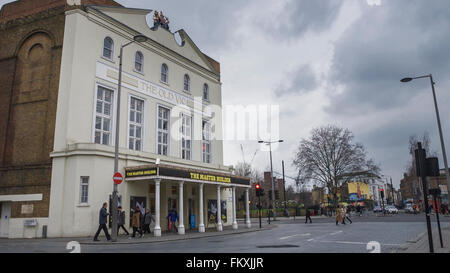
[421,244]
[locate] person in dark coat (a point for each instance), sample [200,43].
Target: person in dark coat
[121,221]
[102,219]
[308,216]
[147,221]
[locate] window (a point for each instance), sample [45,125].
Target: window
[205,92]
[187,83]
[103,116]
[164,73]
[84,189]
[108,48]
[139,61]
[206,139]
[135,124]
[163,130]
[186,136]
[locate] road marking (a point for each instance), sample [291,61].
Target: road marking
[305,234]
[354,243]
[337,232]
[309,240]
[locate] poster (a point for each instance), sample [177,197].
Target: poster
[212,210]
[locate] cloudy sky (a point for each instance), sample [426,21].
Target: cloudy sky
[327,62]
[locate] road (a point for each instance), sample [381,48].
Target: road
[289,236]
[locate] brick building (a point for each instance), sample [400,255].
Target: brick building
[31,38]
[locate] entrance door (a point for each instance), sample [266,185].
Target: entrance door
[4,222]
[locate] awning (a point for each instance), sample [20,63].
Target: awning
[161,171]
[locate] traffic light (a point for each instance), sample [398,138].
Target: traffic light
[277,195]
[261,192]
[258,189]
[270,194]
[382,193]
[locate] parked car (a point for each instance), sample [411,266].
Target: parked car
[377,209]
[391,209]
[409,209]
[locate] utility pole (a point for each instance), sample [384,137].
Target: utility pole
[271,175]
[284,189]
[420,159]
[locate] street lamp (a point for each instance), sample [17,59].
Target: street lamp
[444,155]
[392,189]
[139,38]
[271,174]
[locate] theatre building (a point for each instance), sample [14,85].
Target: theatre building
[59,78]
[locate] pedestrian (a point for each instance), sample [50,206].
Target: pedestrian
[136,222]
[347,214]
[358,210]
[102,223]
[308,216]
[173,217]
[121,221]
[339,217]
[147,221]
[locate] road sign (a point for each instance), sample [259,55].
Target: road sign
[117,178]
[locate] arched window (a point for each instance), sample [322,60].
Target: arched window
[139,61]
[187,83]
[108,48]
[205,92]
[164,73]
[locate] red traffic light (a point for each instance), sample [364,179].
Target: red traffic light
[381,189]
[257,186]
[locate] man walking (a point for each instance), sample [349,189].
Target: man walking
[347,214]
[121,221]
[147,221]
[102,223]
[308,216]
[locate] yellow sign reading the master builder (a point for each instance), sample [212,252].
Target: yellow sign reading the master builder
[141,173]
[213,178]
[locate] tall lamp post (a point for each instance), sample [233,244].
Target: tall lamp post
[444,155]
[271,174]
[139,39]
[391,195]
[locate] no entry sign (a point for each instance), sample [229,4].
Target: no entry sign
[117,178]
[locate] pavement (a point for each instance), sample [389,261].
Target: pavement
[421,244]
[173,236]
[368,233]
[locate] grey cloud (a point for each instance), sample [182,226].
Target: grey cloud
[303,79]
[300,16]
[208,23]
[386,44]
[398,39]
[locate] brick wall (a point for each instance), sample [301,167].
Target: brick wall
[31,38]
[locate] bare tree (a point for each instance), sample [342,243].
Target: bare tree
[330,159]
[412,146]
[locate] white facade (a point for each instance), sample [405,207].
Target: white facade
[82,169]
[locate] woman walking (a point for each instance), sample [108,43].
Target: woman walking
[135,223]
[339,217]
